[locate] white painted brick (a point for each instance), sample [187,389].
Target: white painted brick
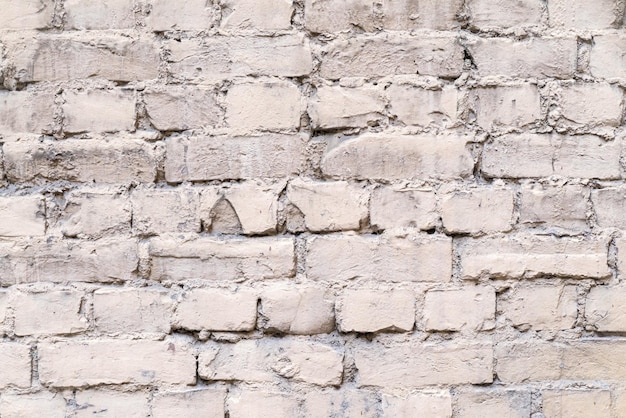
[365,310]
[52,312]
[207,403]
[391,156]
[401,207]
[163,210]
[96,362]
[458,310]
[496,403]
[13,405]
[432,404]
[554,207]
[99,111]
[24,111]
[256,205]
[108,403]
[121,311]
[329,206]
[478,210]
[257,14]
[337,107]
[422,14]
[22,216]
[26,14]
[583,15]
[119,161]
[217,310]
[536,155]
[257,404]
[183,15]
[263,106]
[298,310]
[266,156]
[347,403]
[414,105]
[606,59]
[528,256]
[605,308]
[16,370]
[535,57]
[577,403]
[517,106]
[608,204]
[5,326]
[392,54]
[225,260]
[268,359]
[541,307]
[592,104]
[178,108]
[424,364]
[334,16]
[498,14]
[105,14]
[346,257]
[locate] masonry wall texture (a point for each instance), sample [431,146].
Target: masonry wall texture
[313,208]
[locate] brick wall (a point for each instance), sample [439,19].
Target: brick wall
[315,208]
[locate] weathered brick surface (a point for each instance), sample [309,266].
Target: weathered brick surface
[312,208]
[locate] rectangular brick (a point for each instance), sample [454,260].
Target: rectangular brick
[595,104]
[90,213]
[26,112]
[608,206]
[543,155]
[605,309]
[84,160]
[84,55]
[528,256]
[495,14]
[329,206]
[196,15]
[114,362]
[208,403]
[59,261]
[535,57]
[16,369]
[577,403]
[471,308]
[32,404]
[256,361]
[267,106]
[541,307]
[416,105]
[217,310]
[532,361]
[337,107]
[402,207]
[48,313]
[222,260]
[122,311]
[346,402]
[26,14]
[297,310]
[422,364]
[157,211]
[497,403]
[554,207]
[99,111]
[22,216]
[223,57]
[431,404]
[249,403]
[582,15]
[392,54]
[389,156]
[104,14]
[111,403]
[222,158]
[480,210]
[365,310]
[267,15]
[606,59]
[340,258]
[178,108]
[511,105]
